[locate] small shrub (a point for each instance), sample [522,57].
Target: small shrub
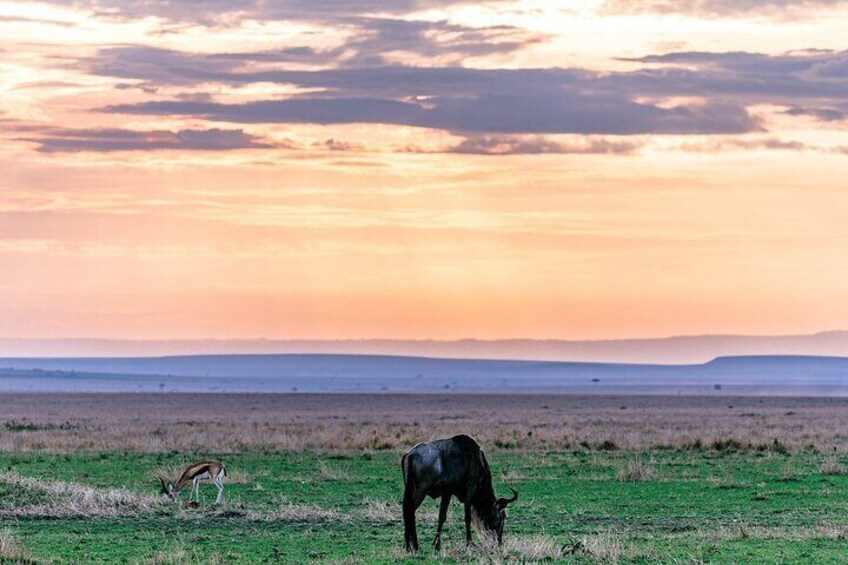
[832,466]
[607,445]
[636,470]
[24,426]
[329,473]
[778,447]
[729,444]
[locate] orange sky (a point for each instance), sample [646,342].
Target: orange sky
[434,169]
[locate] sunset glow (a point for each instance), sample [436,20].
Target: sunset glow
[429,169]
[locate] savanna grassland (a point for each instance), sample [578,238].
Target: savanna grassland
[316,478]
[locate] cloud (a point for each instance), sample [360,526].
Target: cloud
[505,101]
[381,36]
[497,101]
[815,80]
[536,145]
[102,140]
[823,114]
[770,143]
[373,44]
[25,20]
[208,12]
[543,101]
[721,8]
[714,145]
[338,145]
[570,112]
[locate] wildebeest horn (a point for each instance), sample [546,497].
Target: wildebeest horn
[502,502]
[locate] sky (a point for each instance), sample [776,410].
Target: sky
[422,169]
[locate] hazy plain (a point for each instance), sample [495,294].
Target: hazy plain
[225,423]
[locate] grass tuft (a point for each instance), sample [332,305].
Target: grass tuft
[832,466]
[60,499]
[636,470]
[11,550]
[606,548]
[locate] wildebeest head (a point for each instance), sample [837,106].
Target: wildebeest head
[491,522]
[501,505]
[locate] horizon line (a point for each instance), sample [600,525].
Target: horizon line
[428,339]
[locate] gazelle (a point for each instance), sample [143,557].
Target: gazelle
[194,473]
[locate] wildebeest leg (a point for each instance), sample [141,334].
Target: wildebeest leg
[411,501]
[467,524]
[443,515]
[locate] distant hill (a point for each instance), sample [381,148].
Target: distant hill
[758,375]
[671,350]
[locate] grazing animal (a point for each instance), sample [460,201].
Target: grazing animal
[194,473]
[452,467]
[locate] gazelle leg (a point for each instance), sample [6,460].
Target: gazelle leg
[219,482]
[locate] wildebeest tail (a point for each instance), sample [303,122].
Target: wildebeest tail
[410,534]
[404,468]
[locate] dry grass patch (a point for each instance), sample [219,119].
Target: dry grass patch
[636,470]
[51,498]
[327,472]
[832,466]
[605,548]
[513,476]
[179,554]
[834,532]
[11,550]
[530,549]
[297,512]
[725,483]
[380,511]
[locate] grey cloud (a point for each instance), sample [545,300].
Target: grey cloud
[208,12]
[833,68]
[771,143]
[720,8]
[756,76]
[338,145]
[450,98]
[375,38]
[102,140]
[823,114]
[713,145]
[815,80]
[25,20]
[560,112]
[432,39]
[536,145]
[752,77]
[161,66]
[504,101]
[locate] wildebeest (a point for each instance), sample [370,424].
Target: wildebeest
[451,467]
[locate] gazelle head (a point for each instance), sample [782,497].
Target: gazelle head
[168,489]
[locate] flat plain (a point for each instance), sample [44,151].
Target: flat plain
[316,478]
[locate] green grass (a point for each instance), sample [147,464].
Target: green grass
[673,507]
